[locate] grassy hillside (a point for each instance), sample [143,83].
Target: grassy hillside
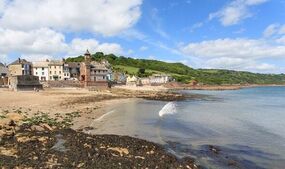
[184,73]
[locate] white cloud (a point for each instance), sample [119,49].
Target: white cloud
[234,48]
[270,30]
[240,64]
[196,26]
[235,12]
[133,34]
[45,43]
[38,57]
[237,54]
[156,21]
[255,2]
[41,41]
[281,40]
[275,32]
[151,57]
[99,16]
[2,6]
[79,46]
[143,48]
[282,30]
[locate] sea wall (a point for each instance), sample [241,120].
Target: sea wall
[24,82]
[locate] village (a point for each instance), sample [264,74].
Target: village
[22,75]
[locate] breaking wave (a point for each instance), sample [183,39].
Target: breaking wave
[168,109]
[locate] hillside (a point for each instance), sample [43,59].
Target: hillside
[184,73]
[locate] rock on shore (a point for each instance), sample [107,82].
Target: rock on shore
[67,148]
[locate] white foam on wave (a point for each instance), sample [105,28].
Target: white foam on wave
[168,109]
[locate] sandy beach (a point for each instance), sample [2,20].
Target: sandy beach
[57,102]
[37,119]
[54,101]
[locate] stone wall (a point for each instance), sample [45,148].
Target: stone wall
[25,82]
[15,70]
[65,83]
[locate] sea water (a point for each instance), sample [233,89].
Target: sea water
[247,126]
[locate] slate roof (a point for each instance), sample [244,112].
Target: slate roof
[73,64]
[3,69]
[55,63]
[20,61]
[40,64]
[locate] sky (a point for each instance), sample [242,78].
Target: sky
[246,35]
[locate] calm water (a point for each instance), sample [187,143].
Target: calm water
[248,126]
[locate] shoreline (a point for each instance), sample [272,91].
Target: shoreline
[80,107]
[218,87]
[67,148]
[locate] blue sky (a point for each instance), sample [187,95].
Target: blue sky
[226,34]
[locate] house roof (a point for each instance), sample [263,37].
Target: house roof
[20,61]
[73,64]
[3,69]
[40,64]
[87,52]
[98,66]
[55,63]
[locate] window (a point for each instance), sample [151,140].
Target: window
[43,73]
[59,72]
[49,72]
[55,72]
[36,68]
[36,73]
[43,69]
[55,67]
[50,77]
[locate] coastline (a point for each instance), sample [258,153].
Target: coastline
[84,107]
[217,87]
[29,119]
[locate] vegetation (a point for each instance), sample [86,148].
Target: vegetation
[183,73]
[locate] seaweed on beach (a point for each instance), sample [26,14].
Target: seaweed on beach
[67,148]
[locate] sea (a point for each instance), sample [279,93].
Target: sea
[219,129]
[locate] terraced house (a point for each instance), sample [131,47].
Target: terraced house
[41,69]
[20,67]
[3,74]
[3,70]
[56,70]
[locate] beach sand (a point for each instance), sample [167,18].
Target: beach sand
[53,101]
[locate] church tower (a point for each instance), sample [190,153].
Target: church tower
[87,57]
[85,69]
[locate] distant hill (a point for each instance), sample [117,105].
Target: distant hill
[184,73]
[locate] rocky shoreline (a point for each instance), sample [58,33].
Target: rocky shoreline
[41,145]
[129,94]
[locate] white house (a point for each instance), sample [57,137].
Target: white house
[132,80]
[159,79]
[41,70]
